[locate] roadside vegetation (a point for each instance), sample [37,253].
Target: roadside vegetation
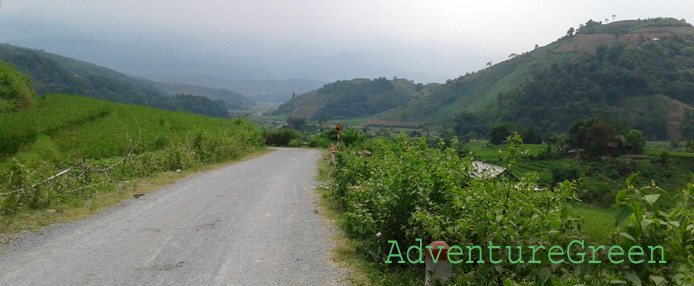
[63,150]
[405,189]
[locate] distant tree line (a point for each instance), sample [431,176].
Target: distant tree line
[48,76]
[352,98]
[593,84]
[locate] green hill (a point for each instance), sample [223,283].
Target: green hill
[101,142]
[56,74]
[352,98]
[639,72]
[233,100]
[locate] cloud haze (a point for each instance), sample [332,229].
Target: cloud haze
[432,40]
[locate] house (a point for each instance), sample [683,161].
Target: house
[483,170]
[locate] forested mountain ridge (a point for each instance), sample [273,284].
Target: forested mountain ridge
[639,72]
[353,98]
[56,74]
[234,100]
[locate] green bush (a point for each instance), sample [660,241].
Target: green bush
[281,137]
[98,142]
[16,91]
[295,143]
[408,191]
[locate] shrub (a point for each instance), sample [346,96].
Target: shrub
[281,137]
[16,91]
[295,143]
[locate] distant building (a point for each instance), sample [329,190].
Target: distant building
[483,170]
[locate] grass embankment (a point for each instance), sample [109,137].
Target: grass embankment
[109,150]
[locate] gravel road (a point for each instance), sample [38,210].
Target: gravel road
[249,223]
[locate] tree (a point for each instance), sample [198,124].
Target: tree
[499,132]
[16,91]
[634,141]
[614,17]
[447,137]
[531,136]
[570,32]
[598,138]
[489,63]
[321,122]
[687,126]
[296,123]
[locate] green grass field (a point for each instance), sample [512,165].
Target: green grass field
[80,127]
[97,142]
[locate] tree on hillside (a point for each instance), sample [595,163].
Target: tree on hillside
[489,63]
[687,126]
[614,17]
[321,122]
[598,138]
[296,123]
[570,32]
[467,126]
[499,132]
[16,91]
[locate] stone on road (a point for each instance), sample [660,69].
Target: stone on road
[248,223]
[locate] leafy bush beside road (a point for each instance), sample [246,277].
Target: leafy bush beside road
[407,191]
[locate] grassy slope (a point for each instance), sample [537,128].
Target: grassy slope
[335,98]
[477,92]
[86,135]
[474,92]
[91,128]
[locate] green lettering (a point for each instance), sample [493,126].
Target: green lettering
[611,252]
[394,245]
[450,252]
[662,253]
[579,254]
[469,254]
[638,252]
[595,251]
[435,259]
[535,249]
[491,253]
[520,255]
[551,253]
[419,260]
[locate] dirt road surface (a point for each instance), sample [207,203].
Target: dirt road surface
[249,223]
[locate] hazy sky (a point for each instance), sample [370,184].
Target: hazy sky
[436,37]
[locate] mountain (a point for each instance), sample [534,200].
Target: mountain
[234,100]
[52,73]
[352,98]
[639,72]
[278,91]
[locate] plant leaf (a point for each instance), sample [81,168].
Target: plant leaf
[631,275]
[621,214]
[658,280]
[632,179]
[651,198]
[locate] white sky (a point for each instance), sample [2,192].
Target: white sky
[446,36]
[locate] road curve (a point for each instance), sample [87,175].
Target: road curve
[248,223]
